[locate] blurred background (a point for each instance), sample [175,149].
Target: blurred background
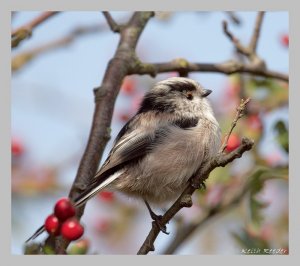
[53,76]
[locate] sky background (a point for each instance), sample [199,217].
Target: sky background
[52,97]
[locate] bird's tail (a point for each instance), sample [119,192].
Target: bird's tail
[91,191]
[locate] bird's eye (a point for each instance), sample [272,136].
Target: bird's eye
[189,96]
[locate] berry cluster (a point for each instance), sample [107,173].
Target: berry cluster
[63,221]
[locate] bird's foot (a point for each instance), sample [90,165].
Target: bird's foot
[157,219]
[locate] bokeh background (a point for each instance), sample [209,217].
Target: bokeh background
[51,113]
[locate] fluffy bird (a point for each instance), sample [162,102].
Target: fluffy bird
[160,148]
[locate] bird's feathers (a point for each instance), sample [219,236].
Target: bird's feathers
[129,148]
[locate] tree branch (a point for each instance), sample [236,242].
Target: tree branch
[224,205]
[180,65]
[229,67]
[185,199]
[25,31]
[256,32]
[105,96]
[233,17]
[214,211]
[111,22]
[238,115]
[250,50]
[243,50]
[19,60]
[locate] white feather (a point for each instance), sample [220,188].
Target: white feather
[98,188]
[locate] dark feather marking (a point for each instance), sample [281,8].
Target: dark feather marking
[180,86]
[186,123]
[152,102]
[124,129]
[138,148]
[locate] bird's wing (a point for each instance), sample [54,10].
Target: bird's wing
[132,143]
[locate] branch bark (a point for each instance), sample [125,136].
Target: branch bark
[105,96]
[256,32]
[250,50]
[217,210]
[244,189]
[25,31]
[111,22]
[25,57]
[227,68]
[180,65]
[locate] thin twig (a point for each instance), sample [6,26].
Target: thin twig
[240,112]
[236,42]
[25,31]
[250,50]
[224,205]
[21,59]
[36,21]
[214,211]
[256,31]
[114,26]
[234,18]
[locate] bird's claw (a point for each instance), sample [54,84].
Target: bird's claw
[157,220]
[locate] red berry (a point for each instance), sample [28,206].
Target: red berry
[17,148]
[64,209]
[71,229]
[52,225]
[285,40]
[106,196]
[233,89]
[103,226]
[124,117]
[128,86]
[255,122]
[233,142]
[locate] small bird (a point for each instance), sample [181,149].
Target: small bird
[160,148]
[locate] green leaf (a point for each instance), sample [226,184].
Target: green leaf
[282,135]
[268,93]
[256,184]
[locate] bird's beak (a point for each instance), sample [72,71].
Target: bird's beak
[206,92]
